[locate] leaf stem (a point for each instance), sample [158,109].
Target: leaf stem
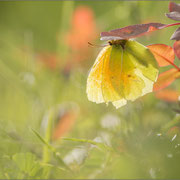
[174,24]
[173,64]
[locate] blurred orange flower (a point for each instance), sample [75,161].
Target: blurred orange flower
[168,95]
[66,119]
[64,125]
[48,59]
[83,28]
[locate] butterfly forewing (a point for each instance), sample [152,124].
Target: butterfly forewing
[111,85]
[94,81]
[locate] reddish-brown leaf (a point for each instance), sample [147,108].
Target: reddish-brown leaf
[166,78]
[174,10]
[176,47]
[168,95]
[176,35]
[163,54]
[174,15]
[174,7]
[133,31]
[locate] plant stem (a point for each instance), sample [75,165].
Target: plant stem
[66,14]
[52,149]
[46,153]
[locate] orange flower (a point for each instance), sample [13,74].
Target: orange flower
[83,28]
[69,114]
[48,59]
[168,95]
[64,125]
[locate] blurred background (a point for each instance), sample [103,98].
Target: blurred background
[48,128]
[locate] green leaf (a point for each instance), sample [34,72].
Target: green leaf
[102,146]
[27,163]
[55,153]
[43,141]
[30,167]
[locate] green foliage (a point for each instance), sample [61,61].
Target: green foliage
[140,140]
[25,165]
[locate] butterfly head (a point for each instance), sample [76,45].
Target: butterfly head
[118,43]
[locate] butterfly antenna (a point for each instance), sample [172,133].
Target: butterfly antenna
[94,45]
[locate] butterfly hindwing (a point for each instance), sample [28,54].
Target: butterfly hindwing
[143,59]
[124,79]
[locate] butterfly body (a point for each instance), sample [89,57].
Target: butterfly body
[123,71]
[118,43]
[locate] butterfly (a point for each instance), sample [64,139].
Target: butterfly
[123,71]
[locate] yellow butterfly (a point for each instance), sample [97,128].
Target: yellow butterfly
[123,71]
